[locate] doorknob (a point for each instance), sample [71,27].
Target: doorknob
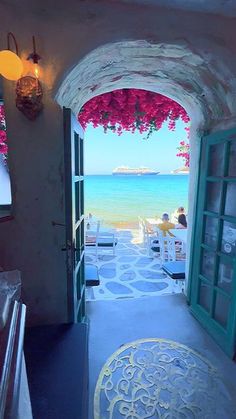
[54,223]
[66,246]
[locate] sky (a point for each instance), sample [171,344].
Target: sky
[105,152]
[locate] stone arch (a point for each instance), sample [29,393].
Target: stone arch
[189,77]
[173,70]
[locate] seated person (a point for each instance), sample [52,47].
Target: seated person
[165,226]
[182,222]
[177,213]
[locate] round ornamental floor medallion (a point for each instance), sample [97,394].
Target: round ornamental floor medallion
[158,378]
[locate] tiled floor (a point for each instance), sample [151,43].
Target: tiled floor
[117,323]
[131,273]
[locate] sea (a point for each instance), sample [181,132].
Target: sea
[119,200]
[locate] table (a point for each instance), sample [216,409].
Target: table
[153,221]
[180,234]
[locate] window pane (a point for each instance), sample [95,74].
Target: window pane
[229,238]
[213,194]
[225,275]
[205,293]
[78,283]
[216,160]
[82,276]
[82,197]
[82,236]
[221,309]
[232,159]
[230,201]
[81,157]
[76,145]
[77,201]
[78,243]
[207,265]
[210,238]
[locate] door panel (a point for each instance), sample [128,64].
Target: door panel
[213,274]
[74,204]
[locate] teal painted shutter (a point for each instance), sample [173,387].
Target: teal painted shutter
[74,206]
[213,267]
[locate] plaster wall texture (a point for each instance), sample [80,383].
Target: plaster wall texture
[223,7]
[88,48]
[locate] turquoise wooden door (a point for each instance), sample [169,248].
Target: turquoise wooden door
[74,208]
[213,273]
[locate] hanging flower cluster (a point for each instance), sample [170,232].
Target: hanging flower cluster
[3,135]
[131,110]
[184,152]
[184,149]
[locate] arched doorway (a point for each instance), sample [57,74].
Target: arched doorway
[129,201]
[174,71]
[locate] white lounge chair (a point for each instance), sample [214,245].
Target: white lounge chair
[106,241]
[91,236]
[99,240]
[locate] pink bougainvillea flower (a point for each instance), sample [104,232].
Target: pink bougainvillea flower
[3,135]
[184,152]
[134,109]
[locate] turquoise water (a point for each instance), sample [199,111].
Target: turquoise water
[121,199]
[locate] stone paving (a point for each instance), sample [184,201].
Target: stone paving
[131,273]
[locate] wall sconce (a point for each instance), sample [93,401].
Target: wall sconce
[11,66]
[29,91]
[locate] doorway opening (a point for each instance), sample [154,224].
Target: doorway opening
[150,67]
[125,204]
[143,65]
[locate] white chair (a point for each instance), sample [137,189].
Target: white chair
[91,236]
[98,240]
[165,246]
[148,235]
[141,229]
[171,248]
[155,243]
[170,262]
[148,231]
[145,230]
[106,241]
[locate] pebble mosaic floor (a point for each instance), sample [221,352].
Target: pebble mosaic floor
[131,273]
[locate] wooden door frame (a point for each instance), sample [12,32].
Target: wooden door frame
[195,215]
[70,217]
[230,334]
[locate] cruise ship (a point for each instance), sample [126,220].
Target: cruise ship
[140,171]
[181,171]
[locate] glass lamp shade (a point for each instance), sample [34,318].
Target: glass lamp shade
[36,70]
[11,66]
